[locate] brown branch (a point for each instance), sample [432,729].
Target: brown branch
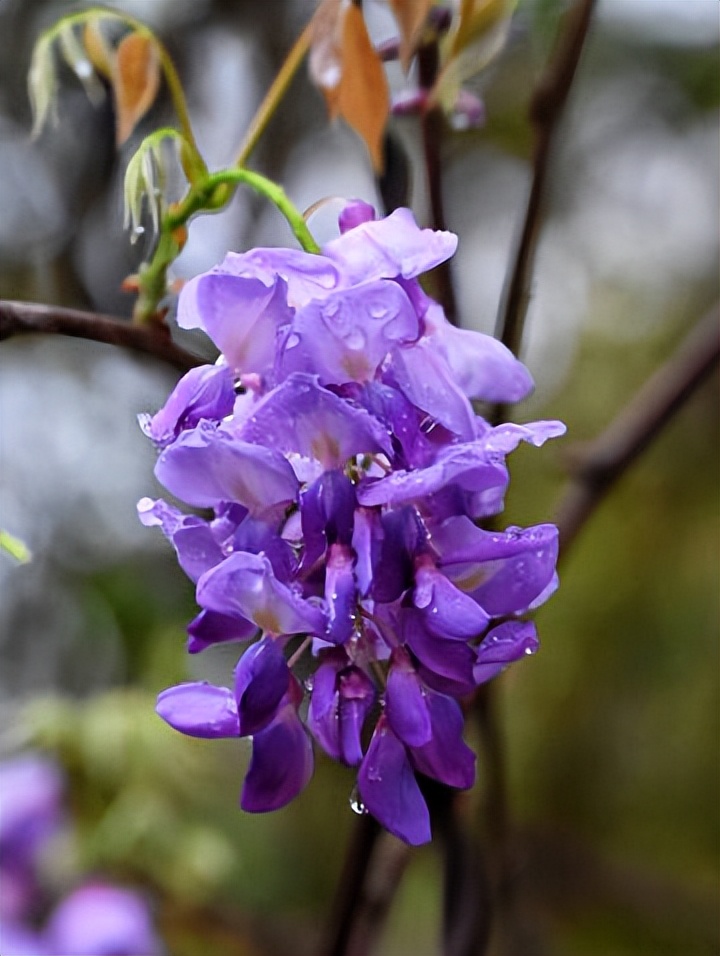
[432,127]
[31,318]
[600,464]
[546,107]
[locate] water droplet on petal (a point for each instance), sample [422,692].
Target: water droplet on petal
[356,804]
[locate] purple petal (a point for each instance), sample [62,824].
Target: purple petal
[300,417]
[193,539]
[505,572]
[327,507]
[446,611]
[356,212]
[340,594]
[389,790]
[506,438]
[209,628]
[323,716]
[465,465]
[390,247]
[345,337]
[281,764]
[199,709]
[402,537]
[308,276]
[423,375]
[244,585]
[204,392]
[450,660]
[481,366]
[405,702]
[503,645]
[241,315]
[206,466]
[261,681]
[445,757]
[102,920]
[356,697]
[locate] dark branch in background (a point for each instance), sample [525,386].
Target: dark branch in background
[30,318]
[546,107]
[599,465]
[432,124]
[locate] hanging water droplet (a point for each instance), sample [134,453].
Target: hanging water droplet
[356,804]
[309,682]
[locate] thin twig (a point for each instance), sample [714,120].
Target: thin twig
[432,126]
[546,106]
[600,464]
[31,318]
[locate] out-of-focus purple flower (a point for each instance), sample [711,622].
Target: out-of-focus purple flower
[344,486]
[96,919]
[31,814]
[99,919]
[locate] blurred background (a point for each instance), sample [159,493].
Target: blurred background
[612,733]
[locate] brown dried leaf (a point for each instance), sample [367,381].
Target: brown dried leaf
[98,49]
[136,80]
[411,16]
[363,99]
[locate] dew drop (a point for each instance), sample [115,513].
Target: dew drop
[356,804]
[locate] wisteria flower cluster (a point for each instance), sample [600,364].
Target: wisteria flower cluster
[343,473]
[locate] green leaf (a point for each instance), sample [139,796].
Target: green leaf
[13,546]
[42,82]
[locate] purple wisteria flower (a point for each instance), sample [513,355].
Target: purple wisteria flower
[344,471]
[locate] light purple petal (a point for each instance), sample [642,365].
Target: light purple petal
[345,337]
[19,940]
[465,465]
[423,375]
[308,276]
[301,417]
[506,438]
[206,466]
[482,367]
[281,764]
[210,628]
[241,315]
[199,709]
[389,247]
[103,920]
[204,392]
[261,681]
[245,585]
[502,646]
[445,757]
[389,790]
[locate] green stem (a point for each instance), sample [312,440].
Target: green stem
[274,95]
[209,195]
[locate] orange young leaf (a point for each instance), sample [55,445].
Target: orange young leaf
[344,64]
[411,16]
[136,80]
[363,98]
